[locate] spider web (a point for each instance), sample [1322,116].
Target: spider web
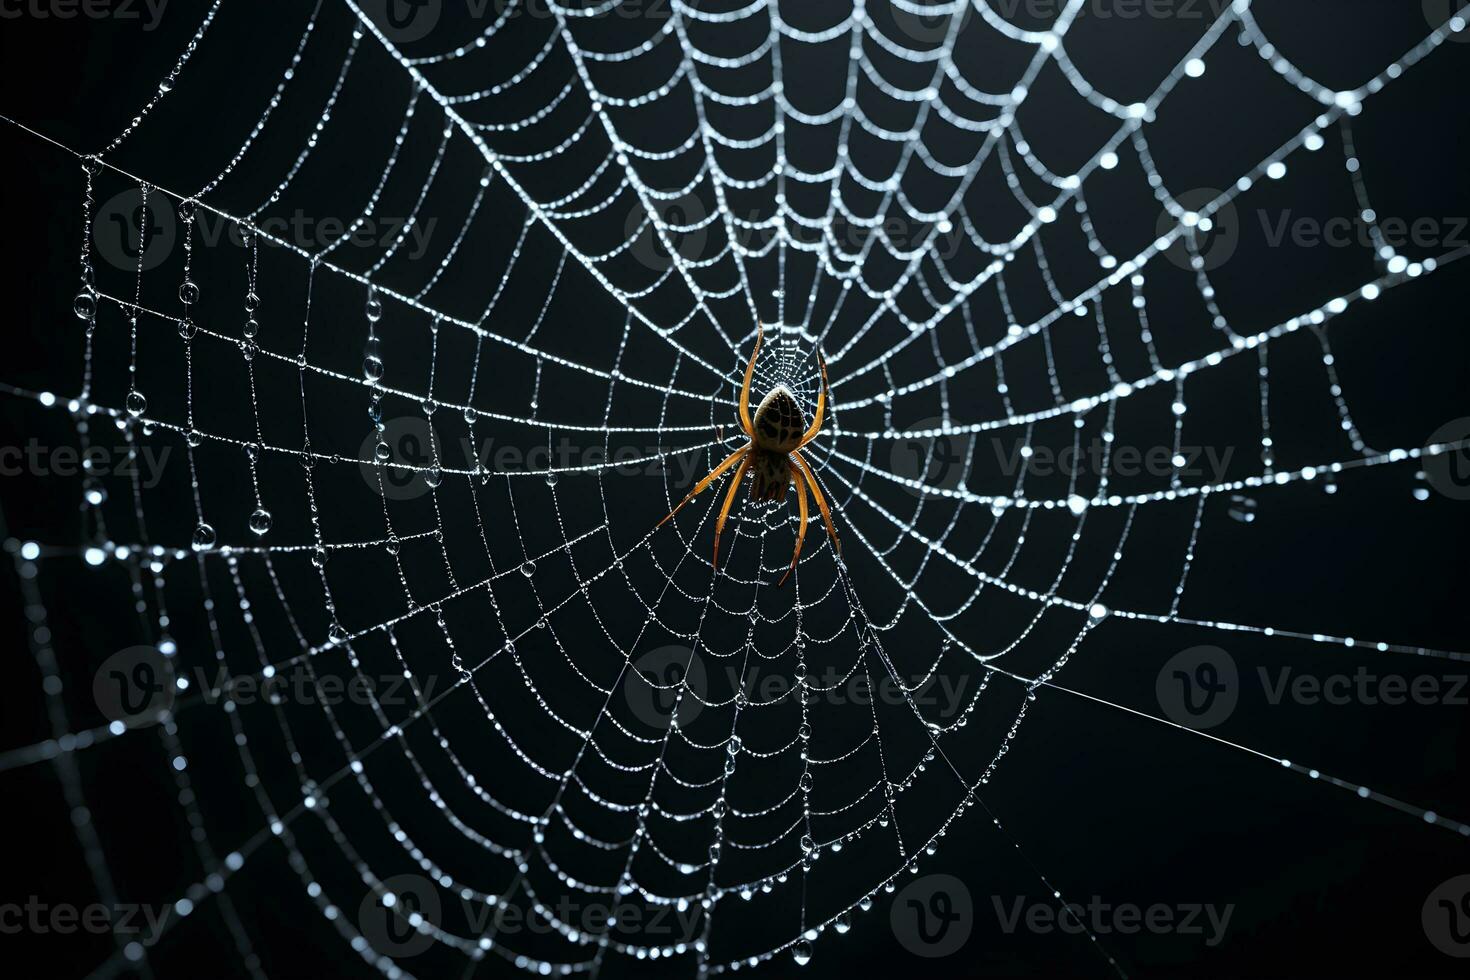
[616,721]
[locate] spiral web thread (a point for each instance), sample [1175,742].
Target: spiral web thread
[873,331]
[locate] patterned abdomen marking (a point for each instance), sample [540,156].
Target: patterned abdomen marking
[770,475]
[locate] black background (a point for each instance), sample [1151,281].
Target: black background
[1104,802]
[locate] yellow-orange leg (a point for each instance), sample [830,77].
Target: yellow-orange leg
[745,422]
[729,501]
[800,482]
[703,485]
[811,480]
[816,426]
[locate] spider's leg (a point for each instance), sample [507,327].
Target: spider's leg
[745,422]
[797,478]
[816,425]
[714,475]
[729,502]
[811,480]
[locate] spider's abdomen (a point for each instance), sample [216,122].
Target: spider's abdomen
[770,475]
[778,424]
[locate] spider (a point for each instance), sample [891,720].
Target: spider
[772,456]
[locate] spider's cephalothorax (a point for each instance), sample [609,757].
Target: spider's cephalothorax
[772,456]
